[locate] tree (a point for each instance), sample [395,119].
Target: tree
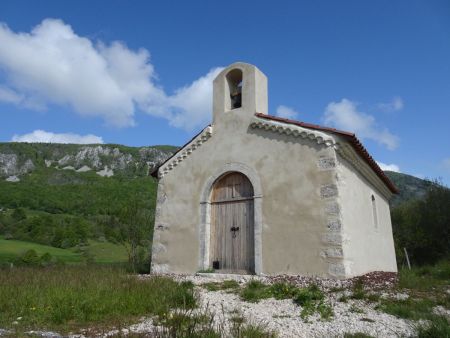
[423,226]
[135,223]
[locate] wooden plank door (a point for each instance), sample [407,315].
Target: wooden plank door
[232,224]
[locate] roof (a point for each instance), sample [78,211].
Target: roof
[350,137]
[154,172]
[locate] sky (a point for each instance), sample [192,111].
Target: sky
[140,72]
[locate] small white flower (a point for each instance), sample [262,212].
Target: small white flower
[19,318]
[15,322]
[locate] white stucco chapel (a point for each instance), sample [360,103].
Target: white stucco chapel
[257,194]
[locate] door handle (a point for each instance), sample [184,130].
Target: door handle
[234,229]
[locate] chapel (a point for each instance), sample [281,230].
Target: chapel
[257,194]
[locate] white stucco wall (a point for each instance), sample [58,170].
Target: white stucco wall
[367,246]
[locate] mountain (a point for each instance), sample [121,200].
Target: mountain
[18,159]
[410,187]
[65,195]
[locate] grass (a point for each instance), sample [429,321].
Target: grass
[66,298]
[107,253]
[408,308]
[192,324]
[231,285]
[103,252]
[425,278]
[438,326]
[311,298]
[11,249]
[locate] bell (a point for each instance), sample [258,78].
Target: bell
[236,98]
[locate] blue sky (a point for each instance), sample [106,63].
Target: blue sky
[139,72]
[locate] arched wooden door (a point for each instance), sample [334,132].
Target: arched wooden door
[232,225]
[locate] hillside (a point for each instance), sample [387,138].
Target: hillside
[67,196]
[410,187]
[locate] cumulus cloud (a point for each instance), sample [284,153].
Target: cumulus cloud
[43,136]
[286,112]
[345,115]
[53,65]
[394,105]
[390,167]
[191,105]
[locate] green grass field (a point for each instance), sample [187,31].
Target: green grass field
[103,252]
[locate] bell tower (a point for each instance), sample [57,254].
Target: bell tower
[240,89]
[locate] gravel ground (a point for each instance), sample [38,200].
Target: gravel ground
[283,316]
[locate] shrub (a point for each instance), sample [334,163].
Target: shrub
[30,257]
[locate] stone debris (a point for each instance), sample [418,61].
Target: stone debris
[46,334]
[105,172]
[441,311]
[13,178]
[83,169]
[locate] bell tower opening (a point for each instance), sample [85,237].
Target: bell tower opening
[239,91]
[234,79]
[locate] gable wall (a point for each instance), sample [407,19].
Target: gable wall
[297,194]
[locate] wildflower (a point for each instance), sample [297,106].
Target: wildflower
[15,322]
[19,318]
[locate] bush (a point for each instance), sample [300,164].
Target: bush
[30,258]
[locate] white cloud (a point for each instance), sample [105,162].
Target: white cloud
[191,105]
[286,112]
[395,105]
[344,115]
[53,65]
[43,136]
[8,95]
[390,167]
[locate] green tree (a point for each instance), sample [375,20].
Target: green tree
[423,226]
[135,230]
[19,214]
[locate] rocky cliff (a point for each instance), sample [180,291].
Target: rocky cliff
[17,159]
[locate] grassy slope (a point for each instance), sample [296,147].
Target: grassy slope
[103,252]
[9,249]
